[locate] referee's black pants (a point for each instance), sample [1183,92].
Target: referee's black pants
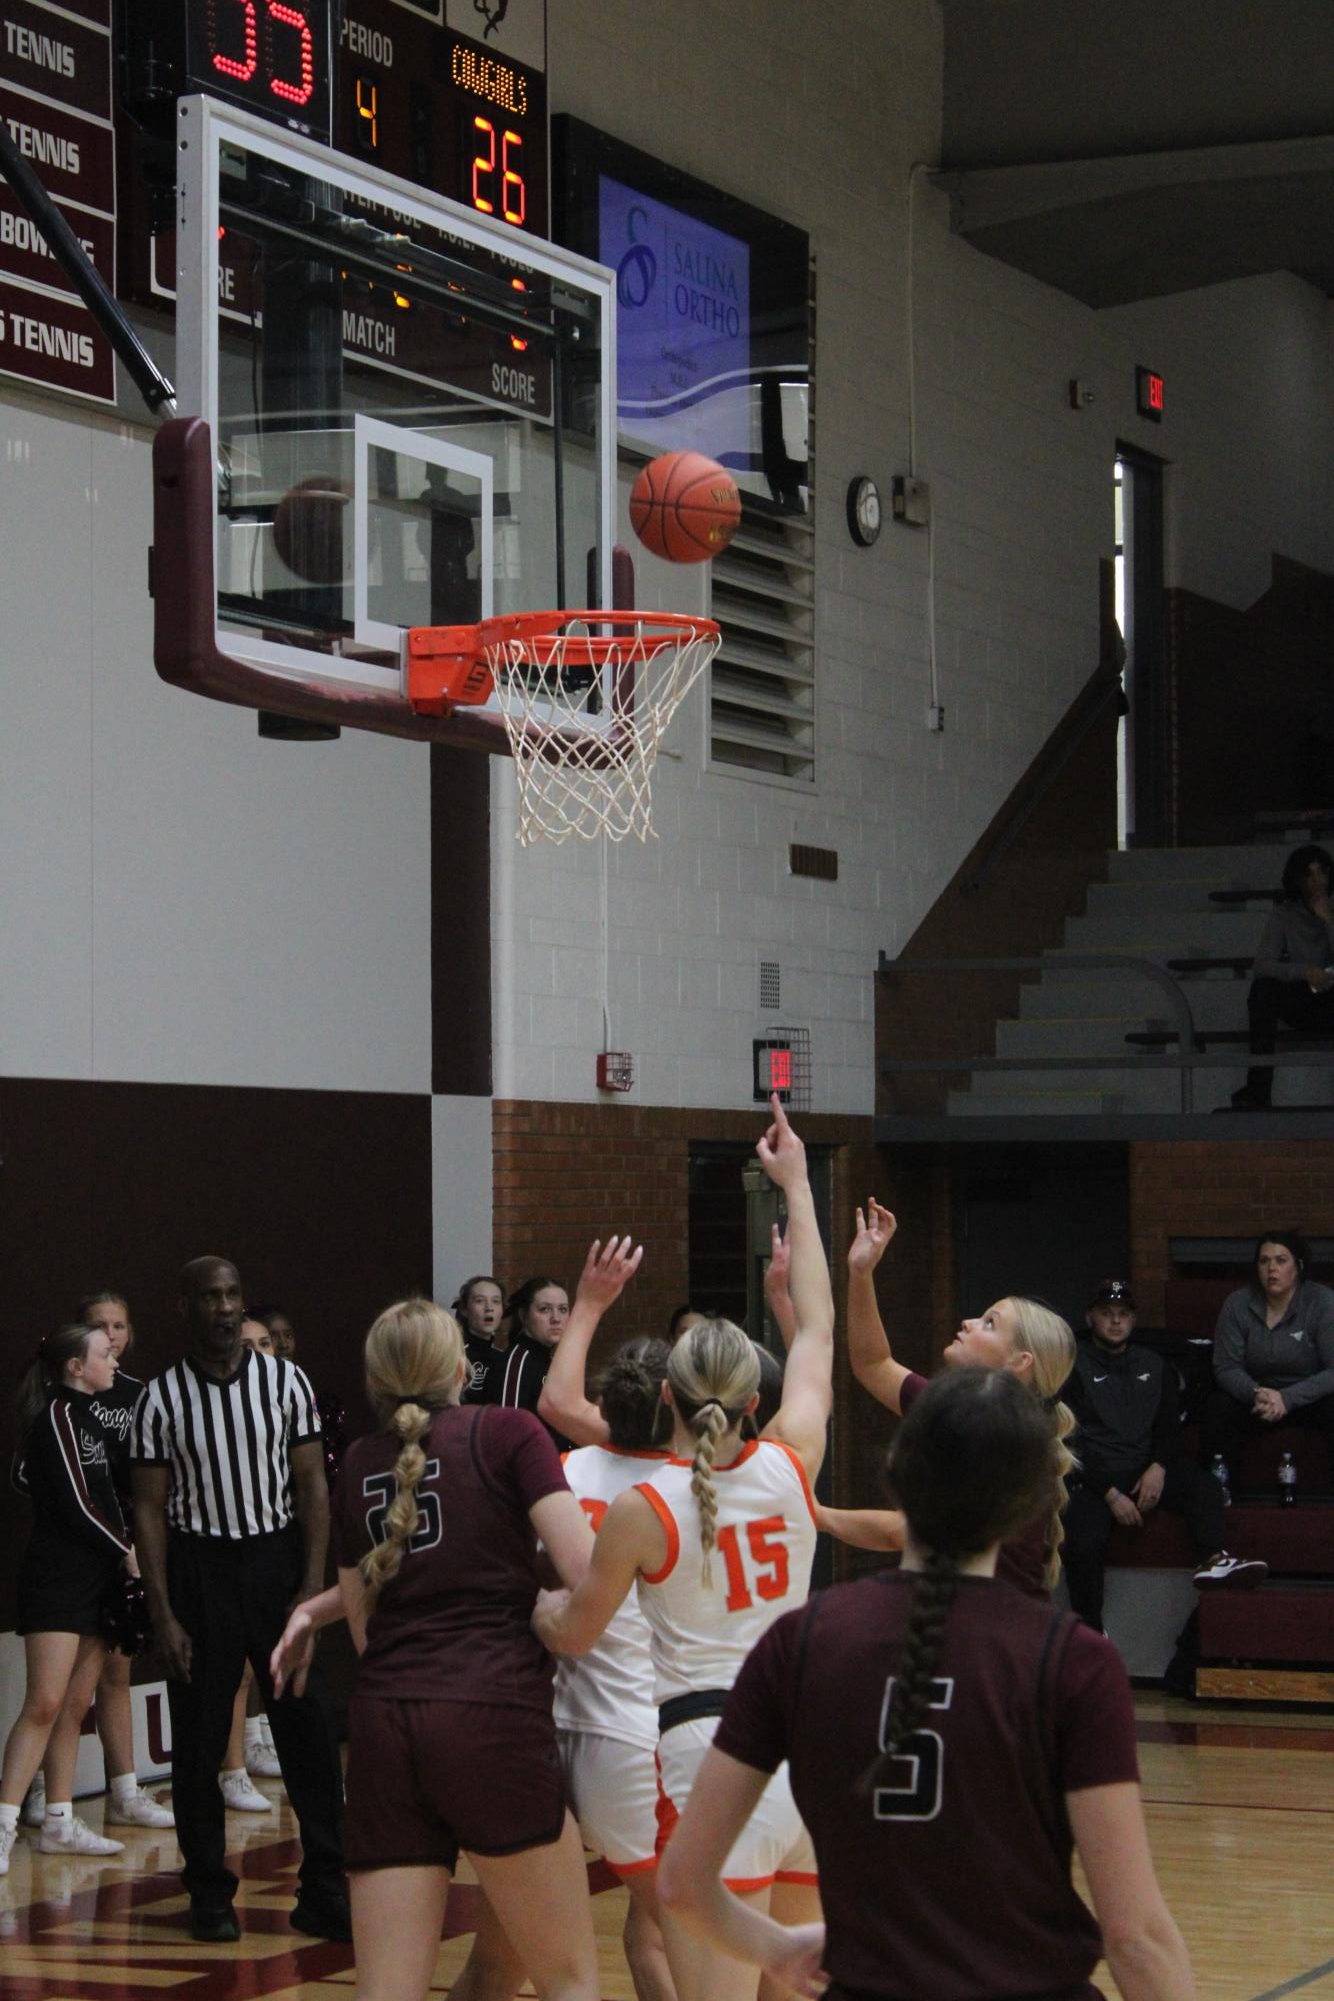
[233,1597]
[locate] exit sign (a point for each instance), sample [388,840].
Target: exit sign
[773,1070]
[1149,394]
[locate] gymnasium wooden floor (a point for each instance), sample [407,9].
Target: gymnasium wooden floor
[1241,1815]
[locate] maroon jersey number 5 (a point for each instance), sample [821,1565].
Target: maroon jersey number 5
[923,1757]
[380,1488]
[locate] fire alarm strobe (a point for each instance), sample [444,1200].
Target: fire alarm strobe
[616,1070]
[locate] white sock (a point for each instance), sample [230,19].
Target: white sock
[254,1731]
[60,1810]
[239,1773]
[9,1816]
[125,1787]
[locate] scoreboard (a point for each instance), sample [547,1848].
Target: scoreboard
[448,94]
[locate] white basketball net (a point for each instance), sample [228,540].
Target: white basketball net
[574,775]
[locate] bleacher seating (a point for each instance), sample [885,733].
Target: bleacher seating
[1274,1644]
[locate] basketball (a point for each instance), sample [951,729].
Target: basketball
[685,507]
[308,529]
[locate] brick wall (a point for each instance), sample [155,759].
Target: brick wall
[1200,1188]
[565,1174]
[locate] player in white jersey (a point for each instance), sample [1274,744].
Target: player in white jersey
[719,1541]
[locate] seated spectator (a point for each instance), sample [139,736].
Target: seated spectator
[1294,968]
[1127,1404]
[1273,1353]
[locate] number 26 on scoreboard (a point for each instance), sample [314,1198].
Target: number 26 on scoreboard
[263,43]
[489,156]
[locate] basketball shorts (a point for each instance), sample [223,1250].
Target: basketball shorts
[774,1846]
[613,1789]
[425,1779]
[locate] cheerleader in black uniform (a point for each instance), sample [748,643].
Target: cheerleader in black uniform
[79,1547]
[125,1626]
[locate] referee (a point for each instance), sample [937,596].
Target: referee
[231,1515]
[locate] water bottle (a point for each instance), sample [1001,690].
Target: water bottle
[1219,1471]
[1287,1481]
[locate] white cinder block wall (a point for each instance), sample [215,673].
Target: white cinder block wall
[183,902]
[763,99]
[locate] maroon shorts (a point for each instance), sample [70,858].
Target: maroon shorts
[425,1779]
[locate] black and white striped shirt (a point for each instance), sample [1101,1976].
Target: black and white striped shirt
[228,1444]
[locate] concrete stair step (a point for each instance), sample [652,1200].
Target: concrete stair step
[1130,900]
[1262,862]
[1167,934]
[1067,1035]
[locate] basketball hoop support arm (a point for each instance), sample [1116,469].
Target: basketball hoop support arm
[86,279]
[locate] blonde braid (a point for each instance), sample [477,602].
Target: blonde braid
[709,1425]
[414,1368]
[713,1372]
[402,1517]
[1063,1463]
[1048,1339]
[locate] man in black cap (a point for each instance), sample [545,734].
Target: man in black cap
[1127,1402]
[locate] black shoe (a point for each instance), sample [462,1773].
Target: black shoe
[323,1917]
[214,1924]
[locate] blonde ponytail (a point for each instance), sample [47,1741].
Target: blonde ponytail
[411,1421]
[709,1426]
[714,1372]
[413,1357]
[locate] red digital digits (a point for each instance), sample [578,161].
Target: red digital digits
[513,200]
[243,67]
[780,1069]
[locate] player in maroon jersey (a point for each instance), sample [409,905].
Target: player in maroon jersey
[450,1733]
[1019,1335]
[950,1740]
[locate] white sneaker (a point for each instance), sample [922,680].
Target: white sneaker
[139,1810]
[33,1813]
[75,1837]
[241,1796]
[261,1758]
[1224,1572]
[8,1836]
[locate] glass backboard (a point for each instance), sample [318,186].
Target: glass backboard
[409,407]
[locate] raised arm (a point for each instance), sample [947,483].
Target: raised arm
[803,1415]
[776,1287]
[564,1402]
[868,1345]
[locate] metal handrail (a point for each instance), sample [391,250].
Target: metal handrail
[1075,962]
[1187,1060]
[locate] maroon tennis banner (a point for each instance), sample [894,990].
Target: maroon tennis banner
[54,342]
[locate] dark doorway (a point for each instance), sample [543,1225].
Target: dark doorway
[1044,1221]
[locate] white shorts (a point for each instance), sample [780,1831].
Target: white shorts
[774,1846]
[613,1788]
